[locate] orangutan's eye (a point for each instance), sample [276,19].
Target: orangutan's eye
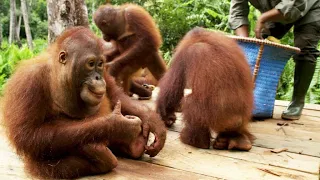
[91,64]
[100,64]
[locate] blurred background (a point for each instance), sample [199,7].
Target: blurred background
[24,29]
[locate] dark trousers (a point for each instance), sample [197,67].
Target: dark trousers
[306,37]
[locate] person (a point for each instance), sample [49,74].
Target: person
[276,19]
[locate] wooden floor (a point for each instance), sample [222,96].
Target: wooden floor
[179,161]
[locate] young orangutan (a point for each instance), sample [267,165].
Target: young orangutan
[58,112]
[142,81]
[137,38]
[216,70]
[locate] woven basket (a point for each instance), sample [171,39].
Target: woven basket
[267,60]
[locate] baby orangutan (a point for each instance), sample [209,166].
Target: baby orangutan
[216,70]
[137,40]
[142,81]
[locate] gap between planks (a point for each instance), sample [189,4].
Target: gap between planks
[188,159]
[270,138]
[294,136]
[12,168]
[231,164]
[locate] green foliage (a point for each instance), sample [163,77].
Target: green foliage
[5,22]
[92,5]
[8,60]
[39,26]
[39,45]
[285,86]
[173,20]
[176,17]
[40,8]
[37,16]
[11,55]
[314,91]
[4,16]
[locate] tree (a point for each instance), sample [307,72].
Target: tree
[63,14]
[81,18]
[26,23]
[12,31]
[17,31]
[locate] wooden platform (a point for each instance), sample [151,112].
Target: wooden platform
[179,161]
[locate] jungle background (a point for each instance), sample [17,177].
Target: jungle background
[174,18]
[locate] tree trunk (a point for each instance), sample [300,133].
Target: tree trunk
[63,14]
[18,27]
[26,23]
[81,14]
[12,31]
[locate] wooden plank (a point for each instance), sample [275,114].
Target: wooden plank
[315,107]
[240,166]
[305,130]
[307,114]
[179,161]
[296,139]
[133,169]
[12,168]
[127,169]
[293,145]
[265,156]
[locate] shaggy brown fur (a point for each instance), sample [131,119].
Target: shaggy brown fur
[222,91]
[138,41]
[144,76]
[142,81]
[58,112]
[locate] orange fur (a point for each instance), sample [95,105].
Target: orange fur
[216,70]
[56,132]
[138,41]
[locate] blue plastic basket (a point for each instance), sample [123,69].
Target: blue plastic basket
[267,61]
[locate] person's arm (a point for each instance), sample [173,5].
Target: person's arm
[242,31]
[286,11]
[272,15]
[238,18]
[292,10]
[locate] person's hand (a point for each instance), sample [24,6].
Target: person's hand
[258,28]
[272,15]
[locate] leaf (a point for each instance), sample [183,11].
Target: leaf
[187,3]
[213,13]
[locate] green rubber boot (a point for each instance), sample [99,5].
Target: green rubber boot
[303,74]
